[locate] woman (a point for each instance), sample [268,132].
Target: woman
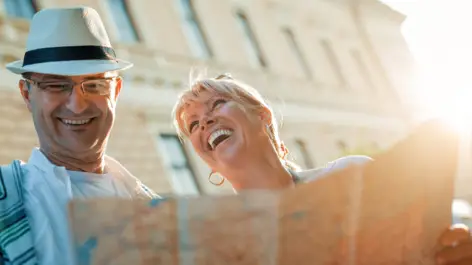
[235,132]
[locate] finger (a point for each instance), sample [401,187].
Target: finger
[452,255]
[454,235]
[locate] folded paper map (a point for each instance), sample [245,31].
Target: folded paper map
[389,211]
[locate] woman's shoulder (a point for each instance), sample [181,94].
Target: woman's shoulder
[349,160]
[340,163]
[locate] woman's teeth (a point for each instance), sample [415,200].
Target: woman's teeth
[218,136]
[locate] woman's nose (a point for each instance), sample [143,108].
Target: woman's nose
[206,122]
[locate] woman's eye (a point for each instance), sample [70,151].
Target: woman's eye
[192,126]
[218,102]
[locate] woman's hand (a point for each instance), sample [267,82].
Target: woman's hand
[455,246]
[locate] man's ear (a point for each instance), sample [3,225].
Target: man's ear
[119,84]
[25,92]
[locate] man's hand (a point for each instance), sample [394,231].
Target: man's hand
[455,246]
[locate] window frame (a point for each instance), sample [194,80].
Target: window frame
[252,42]
[187,165]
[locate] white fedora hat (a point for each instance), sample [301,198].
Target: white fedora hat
[68,41]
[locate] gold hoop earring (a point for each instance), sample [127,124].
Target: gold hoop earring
[215,183]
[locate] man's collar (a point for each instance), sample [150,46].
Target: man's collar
[39,160]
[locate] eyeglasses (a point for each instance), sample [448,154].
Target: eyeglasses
[93,87]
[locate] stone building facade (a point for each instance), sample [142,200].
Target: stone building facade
[336,72]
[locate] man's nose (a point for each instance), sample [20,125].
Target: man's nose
[77,102]
[206,122]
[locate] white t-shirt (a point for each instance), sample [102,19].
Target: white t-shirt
[87,185]
[47,192]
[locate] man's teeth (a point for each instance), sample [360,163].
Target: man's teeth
[216,134]
[76,122]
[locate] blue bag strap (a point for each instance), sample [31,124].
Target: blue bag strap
[16,240]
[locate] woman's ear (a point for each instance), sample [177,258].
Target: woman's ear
[265,115]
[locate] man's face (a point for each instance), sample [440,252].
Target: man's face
[73,115]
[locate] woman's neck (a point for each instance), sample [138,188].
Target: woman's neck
[266,174]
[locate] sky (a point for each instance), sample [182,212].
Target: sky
[439,35]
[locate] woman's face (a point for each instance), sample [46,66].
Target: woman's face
[221,131]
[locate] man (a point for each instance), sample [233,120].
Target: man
[70,83]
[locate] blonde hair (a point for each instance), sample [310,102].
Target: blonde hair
[238,91]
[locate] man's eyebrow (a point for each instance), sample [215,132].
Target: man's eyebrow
[53,77]
[96,77]
[65,78]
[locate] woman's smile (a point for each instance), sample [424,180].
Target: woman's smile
[218,136]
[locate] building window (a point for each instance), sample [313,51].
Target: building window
[182,177]
[21,8]
[328,49]
[361,65]
[297,50]
[122,18]
[252,45]
[193,30]
[302,151]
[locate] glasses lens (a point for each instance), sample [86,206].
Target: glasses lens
[97,87]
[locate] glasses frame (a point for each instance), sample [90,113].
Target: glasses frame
[74,84]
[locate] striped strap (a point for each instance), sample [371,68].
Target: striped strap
[16,241]
[149,193]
